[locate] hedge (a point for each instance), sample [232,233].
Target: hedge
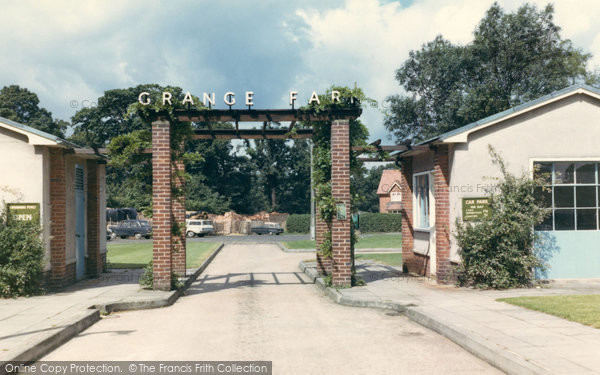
[376,222]
[298,223]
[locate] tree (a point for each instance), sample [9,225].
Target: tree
[283,171]
[365,186]
[21,105]
[96,126]
[514,58]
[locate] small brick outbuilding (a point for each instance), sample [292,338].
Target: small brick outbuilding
[62,185]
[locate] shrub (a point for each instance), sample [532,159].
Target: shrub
[21,257]
[498,251]
[147,278]
[298,223]
[376,222]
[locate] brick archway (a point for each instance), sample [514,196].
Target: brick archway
[169,249]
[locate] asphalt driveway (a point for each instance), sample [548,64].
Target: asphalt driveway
[253,303]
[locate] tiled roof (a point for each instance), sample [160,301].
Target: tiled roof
[388,178]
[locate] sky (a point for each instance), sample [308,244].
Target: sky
[70,52]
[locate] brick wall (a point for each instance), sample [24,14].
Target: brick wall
[161,198]
[383,201]
[58,212]
[340,185]
[94,260]
[178,207]
[442,214]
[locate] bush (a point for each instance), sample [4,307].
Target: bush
[21,257]
[298,223]
[376,222]
[498,252]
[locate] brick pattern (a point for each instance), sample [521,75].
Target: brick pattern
[442,214]
[323,263]
[340,185]
[161,200]
[58,230]
[94,260]
[178,207]
[411,262]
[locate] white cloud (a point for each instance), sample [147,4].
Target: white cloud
[365,41]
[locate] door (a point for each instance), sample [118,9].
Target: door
[79,222]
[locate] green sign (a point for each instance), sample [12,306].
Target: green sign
[341,211]
[25,211]
[475,209]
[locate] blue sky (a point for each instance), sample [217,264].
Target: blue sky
[69,52]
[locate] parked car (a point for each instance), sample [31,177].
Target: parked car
[136,228]
[267,228]
[199,228]
[109,235]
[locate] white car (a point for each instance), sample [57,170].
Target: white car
[198,228]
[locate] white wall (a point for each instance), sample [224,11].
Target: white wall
[22,176]
[568,129]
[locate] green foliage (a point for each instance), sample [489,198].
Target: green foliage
[364,184]
[322,159]
[21,257]
[514,58]
[21,105]
[377,222]
[147,278]
[498,252]
[298,223]
[282,170]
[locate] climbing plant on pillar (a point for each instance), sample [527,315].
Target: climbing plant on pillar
[180,133]
[324,200]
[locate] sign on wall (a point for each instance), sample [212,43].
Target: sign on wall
[25,211]
[475,209]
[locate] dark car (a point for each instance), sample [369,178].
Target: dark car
[136,228]
[267,228]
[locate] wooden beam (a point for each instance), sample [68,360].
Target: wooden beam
[292,124]
[260,115]
[251,134]
[376,159]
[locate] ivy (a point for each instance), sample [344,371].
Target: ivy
[325,202]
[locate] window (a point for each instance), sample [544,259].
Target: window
[421,188]
[571,194]
[395,196]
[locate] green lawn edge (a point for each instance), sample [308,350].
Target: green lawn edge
[579,308]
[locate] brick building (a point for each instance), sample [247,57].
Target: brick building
[62,185]
[452,176]
[390,192]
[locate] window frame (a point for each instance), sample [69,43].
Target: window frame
[574,207]
[430,201]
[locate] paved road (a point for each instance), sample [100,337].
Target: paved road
[252,303]
[255,238]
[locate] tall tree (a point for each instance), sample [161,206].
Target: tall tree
[283,172]
[365,184]
[514,58]
[21,105]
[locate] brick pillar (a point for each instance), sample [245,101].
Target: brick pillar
[323,263]
[178,207]
[58,213]
[442,213]
[93,233]
[406,184]
[161,204]
[340,186]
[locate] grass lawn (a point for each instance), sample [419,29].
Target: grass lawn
[374,241]
[584,309]
[137,254]
[393,259]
